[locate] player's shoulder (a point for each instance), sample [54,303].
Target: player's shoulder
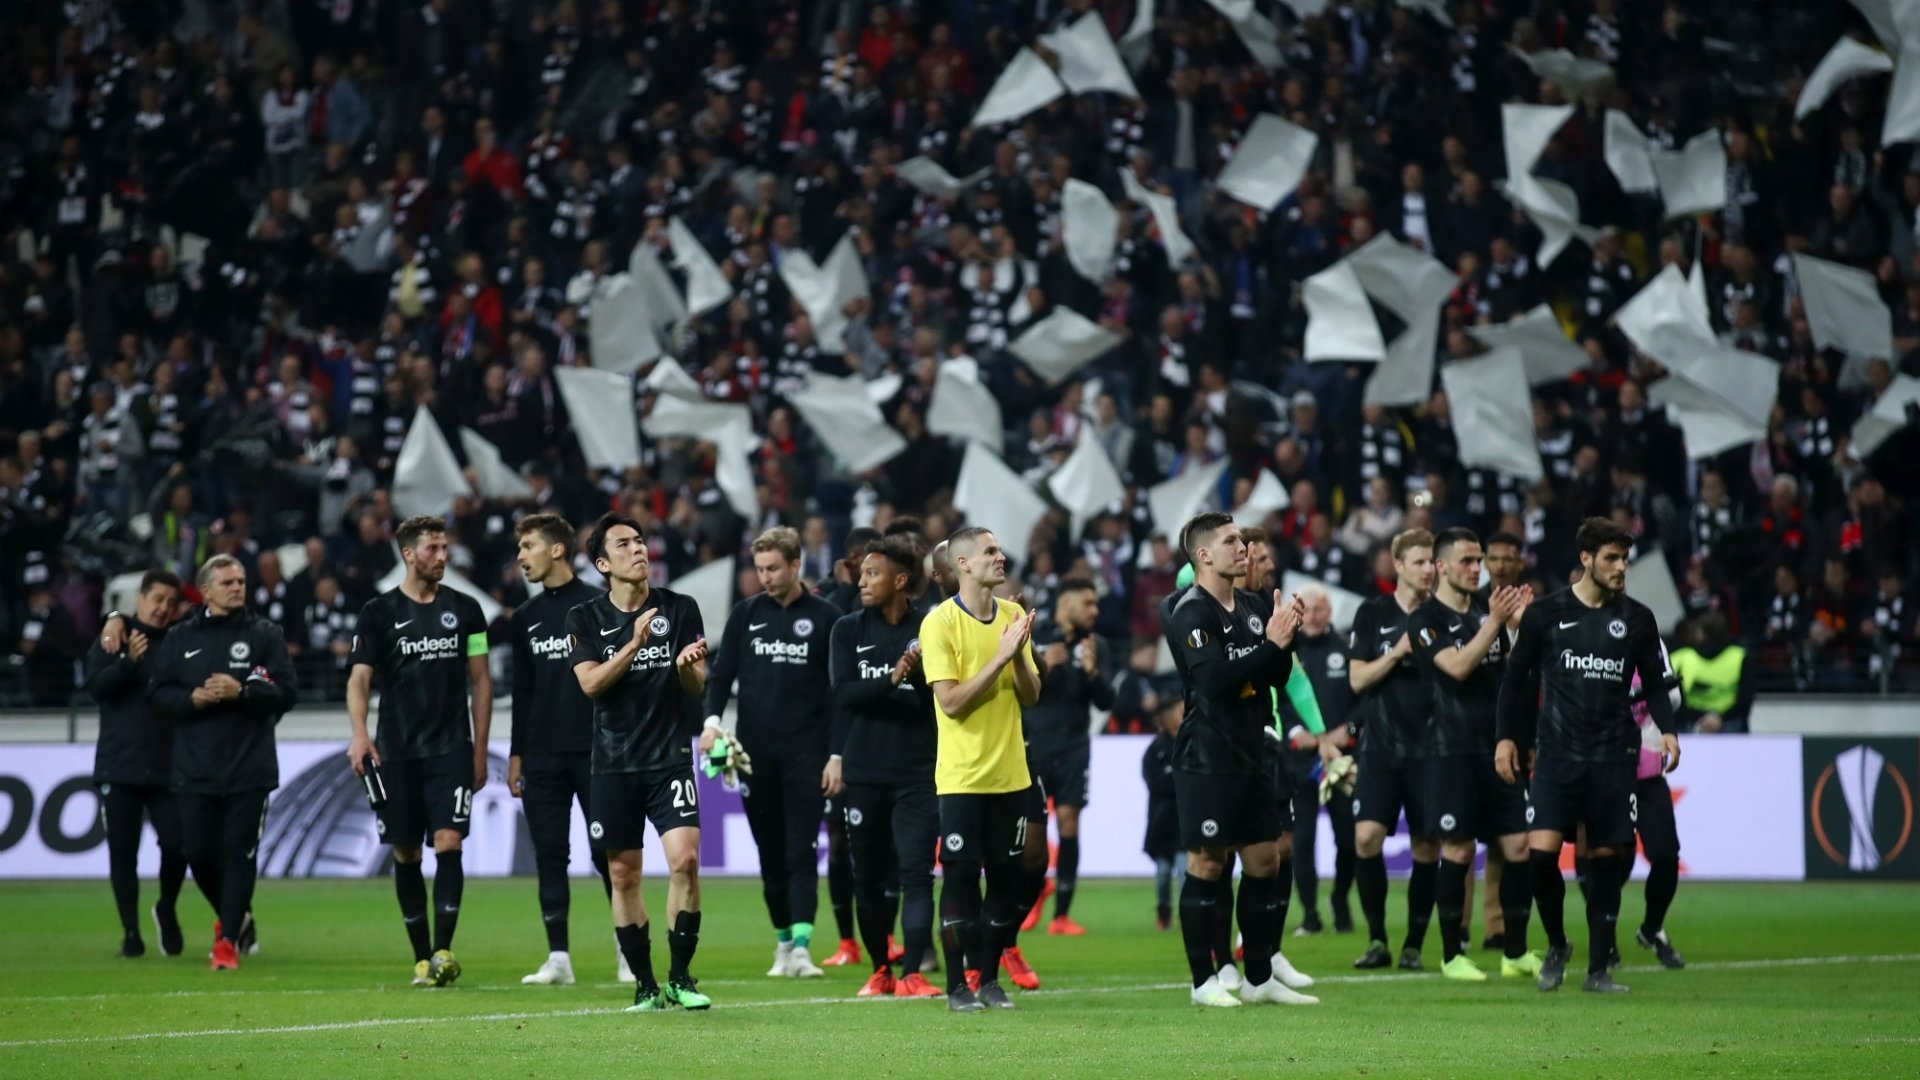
[819,607]
[1638,615]
[379,603]
[463,602]
[592,609]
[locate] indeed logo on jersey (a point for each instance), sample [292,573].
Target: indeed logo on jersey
[652,656]
[433,648]
[882,671]
[782,652]
[1594,667]
[553,648]
[1235,652]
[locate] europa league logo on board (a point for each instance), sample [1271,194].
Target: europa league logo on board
[1860,804]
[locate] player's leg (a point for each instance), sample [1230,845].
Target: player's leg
[1340,817]
[242,820]
[579,769]
[1612,810]
[1068,782]
[1033,886]
[630,926]
[1163,891]
[1426,865]
[962,853]
[1451,807]
[1492,911]
[801,812]
[916,831]
[870,832]
[1376,813]
[1660,841]
[1223,960]
[1505,808]
[1551,815]
[547,800]
[1305,841]
[120,817]
[163,808]
[682,848]
[841,888]
[762,796]
[403,824]
[1267,809]
[449,795]
[1201,806]
[1016,859]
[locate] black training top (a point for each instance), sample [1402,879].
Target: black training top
[136,744]
[779,654]
[1059,720]
[1463,709]
[884,734]
[1391,715]
[418,653]
[642,720]
[551,714]
[1229,670]
[225,748]
[1585,659]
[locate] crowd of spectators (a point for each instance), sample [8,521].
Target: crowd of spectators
[244,244]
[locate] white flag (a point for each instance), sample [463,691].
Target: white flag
[963,407]
[491,474]
[1493,413]
[845,419]
[1544,347]
[711,588]
[707,287]
[1268,162]
[1412,284]
[426,475]
[1172,502]
[1091,226]
[1063,343]
[1136,44]
[1693,179]
[826,289]
[620,333]
[1902,123]
[1269,496]
[1086,484]
[1847,60]
[927,177]
[1166,217]
[1844,309]
[668,377]
[1887,416]
[994,496]
[729,428]
[1026,85]
[600,404]
[664,305]
[1088,60]
[1340,321]
[1627,154]
[1575,75]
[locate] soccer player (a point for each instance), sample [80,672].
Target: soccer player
[1060,751]
[1654,822]
[1462,643]
[223,679]
[641,654]
[1505,561]
[1232,649]
[844,595]
[550,762]
[133,762]
[1395,699]
[428,645]
[1566,694]
[776,646]
[977,656]
[1322,655]
[884,735]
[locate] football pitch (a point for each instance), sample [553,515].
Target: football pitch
[1783,980]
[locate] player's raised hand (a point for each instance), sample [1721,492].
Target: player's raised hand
[1526,597]
[1285,620]
[1506,760]
[692,654]
[905,666]
[643,627]
[1504,604]
[1089,656]
[1055,655]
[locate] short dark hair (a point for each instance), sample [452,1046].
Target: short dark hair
[905,525]
[860,539]
[411,530]
[1507,538]
[1075,584]
[1200,528]
[903,553]
[1598,532]
[1450,537]
[552,529]
[970,536]
[597,540]
[159,576]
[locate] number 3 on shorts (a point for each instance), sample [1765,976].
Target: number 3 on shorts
[683,793]
[1633,807]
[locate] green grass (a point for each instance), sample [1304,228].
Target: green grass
[328,996]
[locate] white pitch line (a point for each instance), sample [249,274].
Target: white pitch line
[488,1018]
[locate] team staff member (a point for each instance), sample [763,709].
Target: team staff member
[550,760]
[976,653]
[428,644]
[1232,649]
[1505,561]
[641,654]
[224,679]
[133,762]
[884,735]
[776,646]
[1059,747]
[1321,655]
[1395,700]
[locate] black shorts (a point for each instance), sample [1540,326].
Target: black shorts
[621,804]
[985,828]
[1284,782]
[835,811]
[1064,774]
[426,796]
[1034,800]
[1466,800]
[1386,786]
[1226,811]
[1603,794]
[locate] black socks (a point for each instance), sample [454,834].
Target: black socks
[1259,919]
[1370,878]
[1450,896]
[681,941]
[1420,903]
[1198,900]
[1516,905]
[411,888]
[639,953]
[1066,874]
[449,882]
[1550,896]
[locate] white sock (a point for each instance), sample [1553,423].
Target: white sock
[559,957]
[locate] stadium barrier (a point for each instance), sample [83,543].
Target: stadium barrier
[1761,807]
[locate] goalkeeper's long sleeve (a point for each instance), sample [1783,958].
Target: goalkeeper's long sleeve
[1300,696]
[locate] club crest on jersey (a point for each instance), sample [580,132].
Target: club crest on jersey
[1209,827]
[659,626]
[597,830]
[1448,821]
[1617,628]
[449,620]
[240,650]
[1256,624]
[854,816]
[1336,662]
[803,627]
[1197,638]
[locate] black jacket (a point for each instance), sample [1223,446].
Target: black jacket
[135,745]
[227,747]
[1163,818]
